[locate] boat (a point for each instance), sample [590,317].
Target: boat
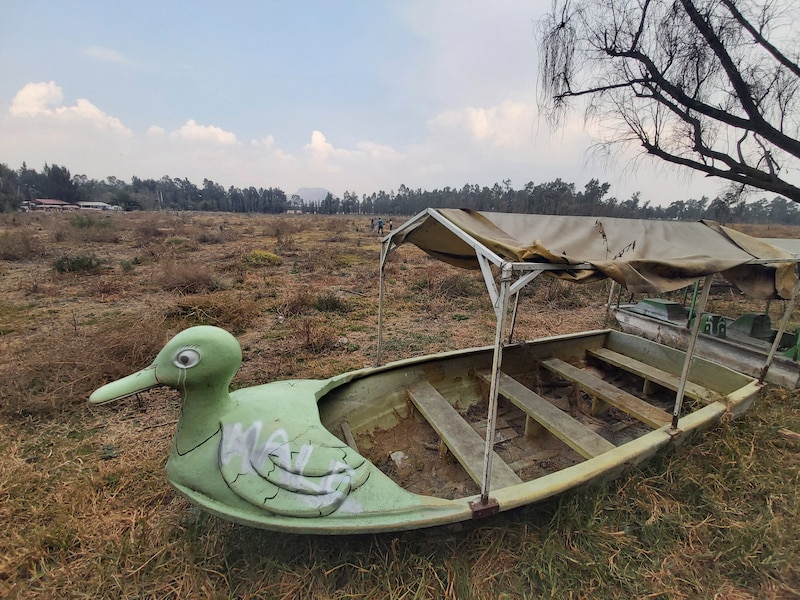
[466,434]
[742,343]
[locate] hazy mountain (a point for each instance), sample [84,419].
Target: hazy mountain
[312,194]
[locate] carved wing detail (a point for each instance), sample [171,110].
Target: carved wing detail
[298,472]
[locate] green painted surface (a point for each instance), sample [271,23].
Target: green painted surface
[658,308]
[263,457]
[260,456]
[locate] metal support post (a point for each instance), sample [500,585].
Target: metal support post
[687,363]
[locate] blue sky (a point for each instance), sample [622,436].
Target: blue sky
[358,96]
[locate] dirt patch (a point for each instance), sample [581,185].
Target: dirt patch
[411,456]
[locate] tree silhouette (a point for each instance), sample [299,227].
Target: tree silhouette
[706,84]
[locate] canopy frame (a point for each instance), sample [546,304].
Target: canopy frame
[500,290]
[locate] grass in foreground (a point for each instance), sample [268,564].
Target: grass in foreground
[88,513]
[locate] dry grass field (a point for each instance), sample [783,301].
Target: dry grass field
[85,509]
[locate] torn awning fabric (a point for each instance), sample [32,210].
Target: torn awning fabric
[644,256]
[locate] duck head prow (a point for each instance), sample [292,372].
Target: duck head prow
[200,363]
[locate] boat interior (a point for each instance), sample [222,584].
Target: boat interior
[561,401]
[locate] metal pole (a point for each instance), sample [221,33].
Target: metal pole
[776,342]
[694,300]
[384,254]
[610,299]
[494,389]
[687,363]
[514,317]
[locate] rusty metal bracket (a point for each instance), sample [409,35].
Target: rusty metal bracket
[481,509]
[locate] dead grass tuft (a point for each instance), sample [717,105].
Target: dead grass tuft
[442,282]
[186,278]
[314,335]
[230,310]
[148,232]
[300,302]
[64,361]
[20,245]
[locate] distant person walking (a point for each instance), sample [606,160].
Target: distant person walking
[380,226]
[391,224]
[372,225]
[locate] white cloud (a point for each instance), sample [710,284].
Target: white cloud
[367,161]
[88,111]
[265,142]
[106,55]
[479,143]
[36,99]
[322,152]
[42,100]
[191,130]
[378,151]
[319,147]
[506,125]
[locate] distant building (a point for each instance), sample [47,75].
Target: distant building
[50,204]
[96,206]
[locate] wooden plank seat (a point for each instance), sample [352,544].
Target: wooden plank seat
[459,437]
[609,394]
[569,430]
[654,374]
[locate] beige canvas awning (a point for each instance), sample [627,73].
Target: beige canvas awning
[644,256]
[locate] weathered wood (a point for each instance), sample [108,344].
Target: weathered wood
[652,374]
[575,434]
[602,390]
[459,437]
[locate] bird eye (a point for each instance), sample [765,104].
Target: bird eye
[187,358]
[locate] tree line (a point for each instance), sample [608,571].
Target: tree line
[553,197]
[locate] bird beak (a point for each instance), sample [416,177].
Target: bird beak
[127,386]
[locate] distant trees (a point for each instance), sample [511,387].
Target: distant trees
[329,205]
[712,85]
[58,183]
[551,197]
[9,188]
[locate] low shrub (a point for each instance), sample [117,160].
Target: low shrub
[330,302]
[88,221]
[77,264]
[180,242]
[127,266]
[263,258]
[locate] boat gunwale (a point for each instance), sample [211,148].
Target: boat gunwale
[782,371]
[436,511]
[444,511]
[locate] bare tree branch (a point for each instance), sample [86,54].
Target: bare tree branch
[731,96]
[779,56]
